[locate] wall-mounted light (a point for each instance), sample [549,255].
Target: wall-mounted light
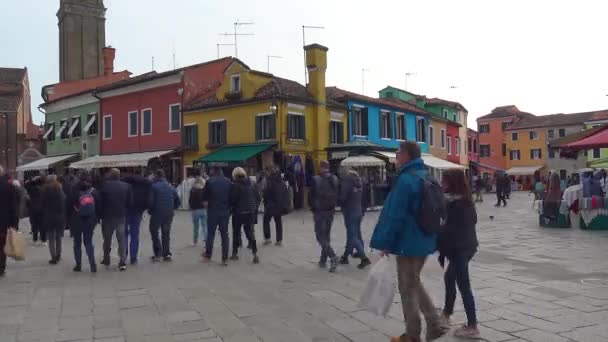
[273,106]
[180,91]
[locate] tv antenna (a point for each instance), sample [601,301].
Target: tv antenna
[268,57]
[407,76]
[237,24]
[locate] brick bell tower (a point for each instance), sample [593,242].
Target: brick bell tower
[82,36]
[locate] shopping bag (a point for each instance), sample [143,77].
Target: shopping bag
[15,244]
[380,289]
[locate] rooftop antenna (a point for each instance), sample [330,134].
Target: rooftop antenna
[304,27]
[174,61]
[236,34]
[363,71]
[407,76]
[218,48]
[152,63]
[268,57]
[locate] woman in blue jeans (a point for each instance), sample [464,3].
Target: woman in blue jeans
[84,202]
[458,244]
[199,213]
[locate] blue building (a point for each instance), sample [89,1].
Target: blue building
[385,122]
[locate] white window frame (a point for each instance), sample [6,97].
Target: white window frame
[49,131]
[443,139]
[536,137]
[105,127]
[402,115]
[66,123]
[489,150]
[129,123]
[515,155]
[73,127]
[446,113]
[384,113]
[226,137]
[420,118]
[267,114]
[178,116]
[90,123]
[287,119]
[142,132]
[232,78]
[458,117]
[359,110]
[457,145]
[449,143]
[431,136]
[484,124]
[536,157]
[515,135]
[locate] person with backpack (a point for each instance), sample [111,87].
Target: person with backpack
[458,243]
[217,195]
[165,201]
[85,205]
[244,200]
[406,228]
[351,201]
[141,188]
[323,198]
[34,207]
[276,204]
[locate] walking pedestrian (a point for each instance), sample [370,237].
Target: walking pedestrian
[458,243]
[397,232]
[244,200]
[217,195]
[86,204]
[164,202]
[502,182]
[351,192]
[9,215]
[141,188]
[34,206]
[276,204]
[478,187]
[199,212]
[116,198]
[54,216]
[22,199]
[323,198]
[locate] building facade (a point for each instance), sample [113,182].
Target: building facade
[473,145]
[438,137]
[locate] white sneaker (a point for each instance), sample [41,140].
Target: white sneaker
[467,332]
[45,244]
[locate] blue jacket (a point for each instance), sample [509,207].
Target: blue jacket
[397,231]
[164,199]
[217,194]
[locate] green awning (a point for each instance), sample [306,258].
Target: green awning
[233,154]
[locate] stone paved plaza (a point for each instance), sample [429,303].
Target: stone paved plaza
[531,284]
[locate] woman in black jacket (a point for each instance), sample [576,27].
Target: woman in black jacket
[53,216]
[34,206]
[85,220]
[458,243]
[244,200]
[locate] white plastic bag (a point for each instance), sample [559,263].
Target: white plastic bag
[380,289]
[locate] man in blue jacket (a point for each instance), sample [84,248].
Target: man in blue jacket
[398,233]
[217,194]
[163,204]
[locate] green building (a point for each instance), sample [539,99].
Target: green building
[441,108]
[72,126]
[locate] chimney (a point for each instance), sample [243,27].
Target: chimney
[316,63]
[109,53]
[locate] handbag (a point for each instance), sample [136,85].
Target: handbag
[15,245]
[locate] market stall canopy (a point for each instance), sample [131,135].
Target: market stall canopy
[362,161]
[119,160]
[438,163]
[597,140]
[392,156]
[44,163]
[234,153]
[523,170]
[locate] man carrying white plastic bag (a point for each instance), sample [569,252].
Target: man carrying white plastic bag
[398,232]
[380,289]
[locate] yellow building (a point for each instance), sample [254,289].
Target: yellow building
[525,150]
[251,115]
[438,138]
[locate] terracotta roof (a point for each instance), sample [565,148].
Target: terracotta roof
[341,95]
[9,102]
[12,75]
[504,111]
[58,91]
[554,120]
[575,136]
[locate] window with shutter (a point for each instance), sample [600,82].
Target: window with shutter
[217,133]
[336,132]
[504,150]
[265,126]
[296,129]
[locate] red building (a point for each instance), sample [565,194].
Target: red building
[473,145]
[143,114]
[453,142]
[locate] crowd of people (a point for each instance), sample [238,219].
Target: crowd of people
[118,203]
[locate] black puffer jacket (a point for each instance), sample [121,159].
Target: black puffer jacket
[459,234]
[274,198]
[351,194]
[243,197]
[54,207]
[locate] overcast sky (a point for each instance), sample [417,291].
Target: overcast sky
[543,56]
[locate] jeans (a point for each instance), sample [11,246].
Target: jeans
[132,225]
[215,222]
[246,222]
[352,221]
[83,233]
[37,229]
[55,234]
[161,247]
[414,297]
[199,221]
[457,273]
[500,197]
[323,221]
[108,227]
[278,221]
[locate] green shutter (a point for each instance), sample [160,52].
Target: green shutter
[224,137]
[258,127]
[303,128]
[273,126]
[340,133]
[364,123]
[210,128]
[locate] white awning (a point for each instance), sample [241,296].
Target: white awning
[60,130]
[90,123]
[392,156]
[44,163]
[523,170]
[73,127]
[118,160]
[48,132]
[438,163]
[362,161]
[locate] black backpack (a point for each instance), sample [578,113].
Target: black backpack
[432,215]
